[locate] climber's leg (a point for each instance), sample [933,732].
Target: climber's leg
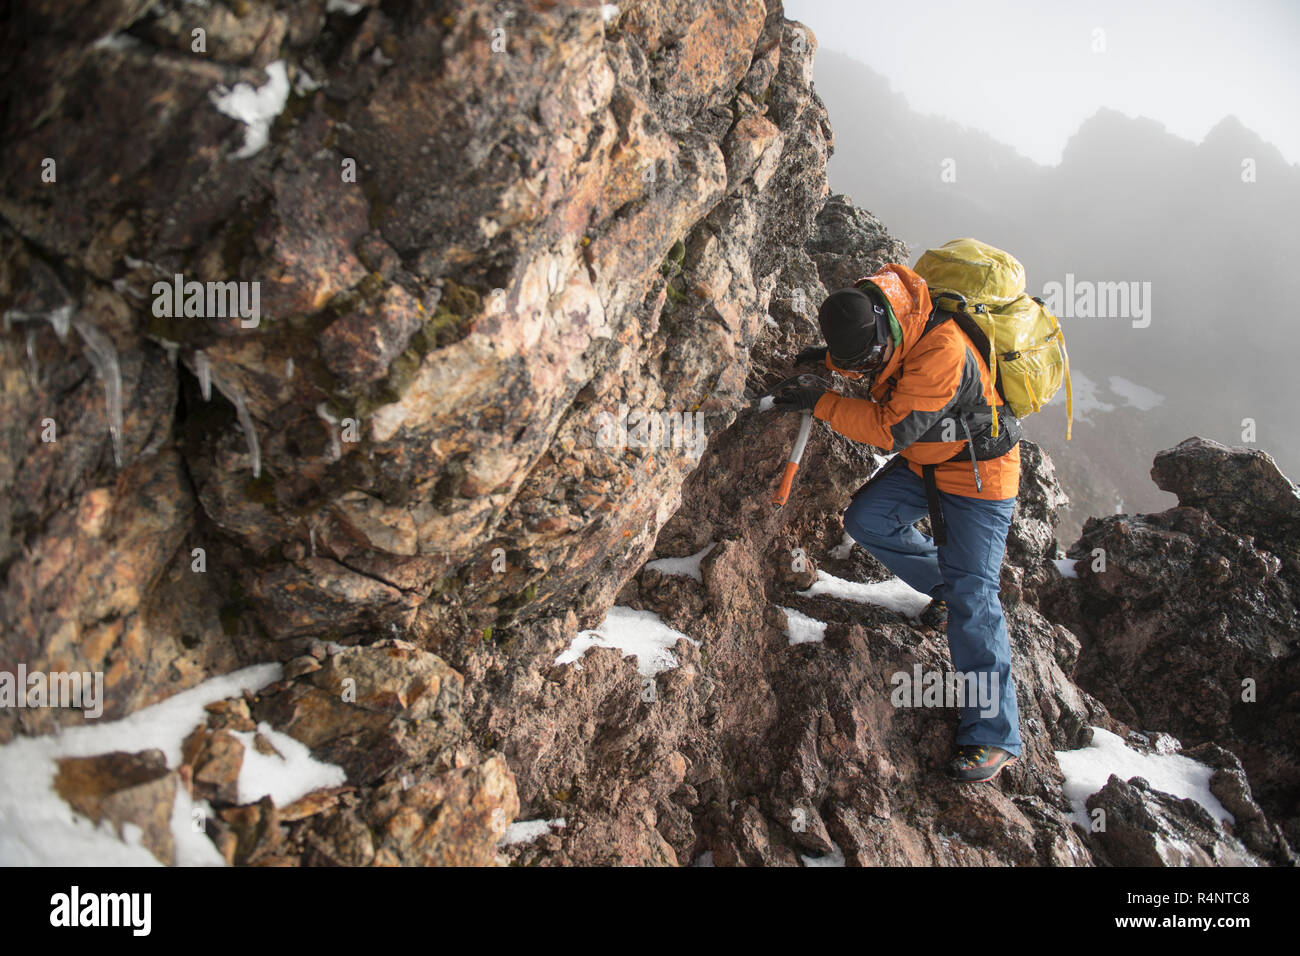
[971,563]
[881,519]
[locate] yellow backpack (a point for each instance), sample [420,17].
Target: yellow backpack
[984,289]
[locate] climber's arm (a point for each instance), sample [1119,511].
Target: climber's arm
[923,393]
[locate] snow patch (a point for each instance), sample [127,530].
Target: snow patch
[893,594]
[1066,566]
[1138,396]
[802,629]
[116,41]
[304,83]
[638,634]
[842,550]
[256,108]
[285,776]
[1087,770]
[686,567]
[526,831]
[1087,397]
[37,828]
[1088,400]
[833,858]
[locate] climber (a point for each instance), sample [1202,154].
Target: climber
[931,396]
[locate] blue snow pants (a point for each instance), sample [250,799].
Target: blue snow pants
[964,572]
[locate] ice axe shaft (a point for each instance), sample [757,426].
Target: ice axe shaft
[792,465]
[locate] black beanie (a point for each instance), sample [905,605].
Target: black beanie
[848,321]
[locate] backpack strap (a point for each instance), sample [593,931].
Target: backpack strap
[938,527]
[960,315]
[938,316]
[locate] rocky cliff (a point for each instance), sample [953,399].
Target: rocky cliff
[515,268]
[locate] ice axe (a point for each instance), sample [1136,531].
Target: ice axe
[792,464]
[766,403]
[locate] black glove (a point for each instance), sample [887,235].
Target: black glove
[810,355]
[799,394]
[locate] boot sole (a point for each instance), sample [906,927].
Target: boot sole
[993,776]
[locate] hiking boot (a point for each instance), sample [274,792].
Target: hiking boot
[975,764]
[935,615]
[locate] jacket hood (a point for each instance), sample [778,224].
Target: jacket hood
[909,297]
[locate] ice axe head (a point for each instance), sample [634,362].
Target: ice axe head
[804,380]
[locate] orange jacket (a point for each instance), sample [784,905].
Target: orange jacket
[915,394]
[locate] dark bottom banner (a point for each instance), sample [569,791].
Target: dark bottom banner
[339,907]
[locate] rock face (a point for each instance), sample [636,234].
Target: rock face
[1241,489]
[1145,827]
[1190,625]
[470,300]
[480,240]
[759,751]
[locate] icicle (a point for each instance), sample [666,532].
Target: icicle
[31,355]
[103,356]
[203,369]
[236,398]
[311,534]
[288,367]
[170,347]
[60,318]
[336,450]
[250,433]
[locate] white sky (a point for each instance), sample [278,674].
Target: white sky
[1026,73]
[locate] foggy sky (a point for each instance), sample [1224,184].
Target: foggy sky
[1032,76]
